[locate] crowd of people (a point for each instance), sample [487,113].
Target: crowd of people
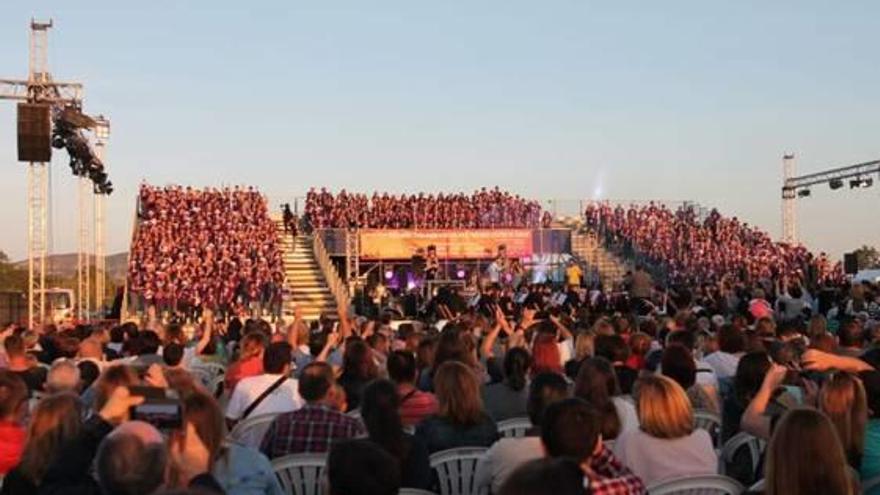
[615,391]
[611,393]
[483,209]
[700,250]
[205,247]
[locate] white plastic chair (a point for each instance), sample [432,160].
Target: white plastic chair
[251,431]
[710,422]
[708,484]
[741,440]
[217,386]
[213,369]
[758,487]
[514,427]
[202,376]
[456,470]
[300,474]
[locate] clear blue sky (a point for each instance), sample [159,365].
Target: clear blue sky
[558,99]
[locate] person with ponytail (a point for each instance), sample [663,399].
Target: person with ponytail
[380,411]
[507,399]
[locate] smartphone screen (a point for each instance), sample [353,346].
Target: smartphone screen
[158,409]
[164,414]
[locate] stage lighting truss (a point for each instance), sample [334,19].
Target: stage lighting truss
[860,182]
[68,133]
[859,176]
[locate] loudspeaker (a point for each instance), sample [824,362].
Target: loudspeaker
[34,133]
[850,263]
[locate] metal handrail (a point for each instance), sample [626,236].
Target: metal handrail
[331,275]
[125,310]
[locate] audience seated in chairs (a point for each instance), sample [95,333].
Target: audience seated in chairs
[507,399]
[360,467]
[542,476]
[597,384]
[505,455]
[130,457]
[805,456]
[415,405]
[272,392]
[380,412]
[461,420]
[316,425]
[572,429]
[236,468]
[667,444]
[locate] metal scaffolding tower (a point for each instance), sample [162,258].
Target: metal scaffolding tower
[83,257]
[102,135]
[39,88]
[38,180]
[789,204]
[38,239]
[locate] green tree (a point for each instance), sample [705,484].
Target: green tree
[867,257]
[12,278]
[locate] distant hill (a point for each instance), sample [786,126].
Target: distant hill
[64,265]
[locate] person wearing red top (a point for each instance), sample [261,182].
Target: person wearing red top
[415,405]
[13,405]
[639,344]
[250,363]
[545,354]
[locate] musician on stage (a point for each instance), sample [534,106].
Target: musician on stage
[432,264]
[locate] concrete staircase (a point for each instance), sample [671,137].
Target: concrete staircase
[304,283]
[610,267]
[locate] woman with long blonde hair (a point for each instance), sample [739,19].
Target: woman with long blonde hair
[461,420]
[843,400]
[805,456]
[666,445]
[57,419]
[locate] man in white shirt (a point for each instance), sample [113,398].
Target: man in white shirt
[732,345]
[249,399]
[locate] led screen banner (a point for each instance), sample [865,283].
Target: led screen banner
[451,244]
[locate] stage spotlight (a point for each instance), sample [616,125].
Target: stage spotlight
[804,193]
[389,274]
[835,184]
[854,183]
[460,273]
[868,182]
